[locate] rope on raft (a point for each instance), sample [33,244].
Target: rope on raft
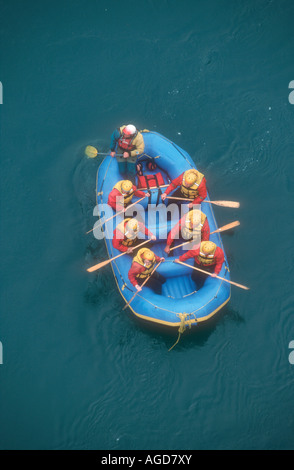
[184,323]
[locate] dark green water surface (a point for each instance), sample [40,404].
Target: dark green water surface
[213,76]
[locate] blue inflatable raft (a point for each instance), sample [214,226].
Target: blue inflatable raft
[179,298]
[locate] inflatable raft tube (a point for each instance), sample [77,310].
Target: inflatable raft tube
[179,293]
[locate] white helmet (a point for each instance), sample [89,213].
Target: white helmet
[130,129]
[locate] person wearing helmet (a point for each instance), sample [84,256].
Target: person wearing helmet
[126,144]
[191,184]
[122,193]
[193,226]
[125,236]
[142,266]
[208,256]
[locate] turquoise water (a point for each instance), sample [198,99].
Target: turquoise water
[78,372]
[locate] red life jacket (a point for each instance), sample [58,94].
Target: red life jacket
[150,181]
[126,144]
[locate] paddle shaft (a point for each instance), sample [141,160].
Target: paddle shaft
[217,203]
[156,187]
[142,285]
[179,198]
[218,277]
[104,263]
[116,214]
[94,149]
[221,229]
[182,244]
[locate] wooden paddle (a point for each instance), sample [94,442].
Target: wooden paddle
[156,187]
[115,215]
[221,229]
[142,285]
[104,263]
[182,244]
[209,274]
[92,152]
[227,227]
[217,203]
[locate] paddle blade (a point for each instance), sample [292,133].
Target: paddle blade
[240,285]
[98,266]
[91,152]
[226,203]
[227,227]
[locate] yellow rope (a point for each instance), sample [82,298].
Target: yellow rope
[182,326]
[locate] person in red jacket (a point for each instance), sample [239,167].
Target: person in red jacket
[125,236]
[208,256]
[122,193]
[141,268]
[191,184]
[194,225]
